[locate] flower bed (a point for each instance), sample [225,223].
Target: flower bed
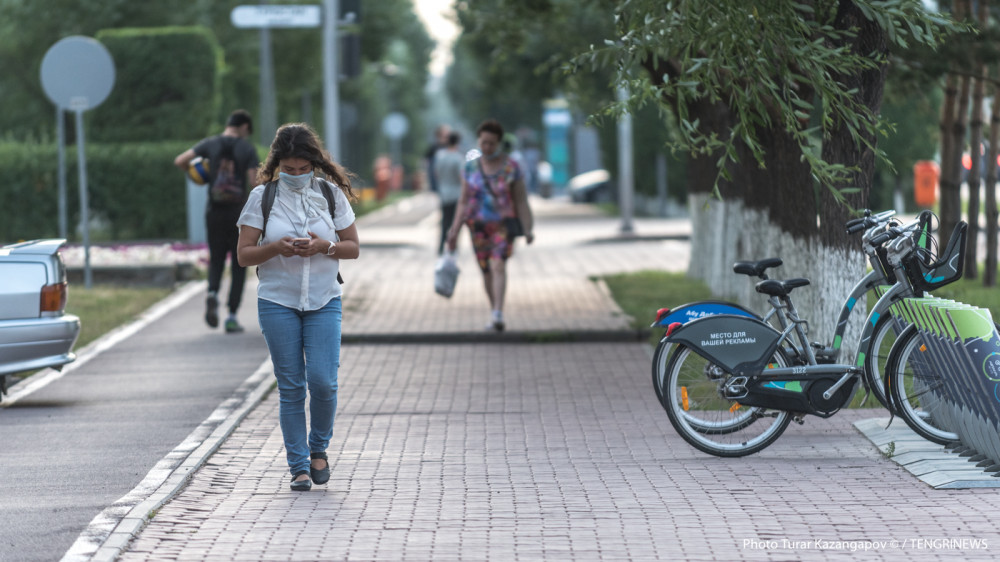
[144,264]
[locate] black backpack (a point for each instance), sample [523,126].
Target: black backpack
[267,201]
[227,188]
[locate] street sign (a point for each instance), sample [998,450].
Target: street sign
[276,16]
[395,125]
[77,73]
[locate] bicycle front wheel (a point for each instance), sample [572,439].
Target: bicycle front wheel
[886,332]
[916,387]
[698,410]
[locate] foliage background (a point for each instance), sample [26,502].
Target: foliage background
[168,94]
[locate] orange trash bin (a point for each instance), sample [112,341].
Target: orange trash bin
[925,181]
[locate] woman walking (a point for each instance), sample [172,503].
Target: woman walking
[492,195]
[298,297]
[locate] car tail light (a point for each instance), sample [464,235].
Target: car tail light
[53,300]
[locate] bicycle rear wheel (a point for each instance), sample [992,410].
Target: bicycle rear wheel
[660,357]
[916,386]
[698,410]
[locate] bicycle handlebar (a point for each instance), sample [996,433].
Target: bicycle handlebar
[889,234]
[868,221]
[893,232]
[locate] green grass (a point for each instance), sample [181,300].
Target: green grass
[971,291]
[362,208]
[104,308]
[641,294]
[968,291]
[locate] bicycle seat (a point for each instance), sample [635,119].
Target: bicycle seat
[755,268]
[776,288]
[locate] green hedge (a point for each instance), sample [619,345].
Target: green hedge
[135,191]
[166,85]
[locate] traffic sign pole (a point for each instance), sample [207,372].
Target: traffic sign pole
[81,161]
[61,134]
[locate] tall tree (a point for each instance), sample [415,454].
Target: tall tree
[951,187]
[779,104]
[975,153]
[990,202]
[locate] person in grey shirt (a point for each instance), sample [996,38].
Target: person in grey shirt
[448,164]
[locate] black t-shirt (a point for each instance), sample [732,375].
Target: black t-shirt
[244,158]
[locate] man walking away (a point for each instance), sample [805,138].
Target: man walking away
[232,167]
[440,141]
[448,165]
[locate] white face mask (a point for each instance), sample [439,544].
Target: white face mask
[295,183]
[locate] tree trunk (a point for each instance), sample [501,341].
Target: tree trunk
[947,123]
[975,147]
[951,188]
[841,148]
[990,198]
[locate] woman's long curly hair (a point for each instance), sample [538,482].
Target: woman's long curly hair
[298,140]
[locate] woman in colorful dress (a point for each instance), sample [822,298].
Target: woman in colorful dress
[493,195]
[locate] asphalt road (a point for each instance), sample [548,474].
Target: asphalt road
[74,447]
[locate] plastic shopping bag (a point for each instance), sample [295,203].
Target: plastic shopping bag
[446,275]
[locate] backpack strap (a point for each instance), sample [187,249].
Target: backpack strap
[267,201]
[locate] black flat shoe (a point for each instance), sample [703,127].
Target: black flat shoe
[320,475]
[301,485]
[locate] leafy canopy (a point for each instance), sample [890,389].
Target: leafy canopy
[777,65]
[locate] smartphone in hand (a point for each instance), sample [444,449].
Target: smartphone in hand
[300,241]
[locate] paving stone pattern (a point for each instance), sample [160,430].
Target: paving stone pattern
[497,451]
[544,452]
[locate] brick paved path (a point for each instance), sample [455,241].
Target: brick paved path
[544,452]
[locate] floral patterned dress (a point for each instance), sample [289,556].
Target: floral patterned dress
[490,201]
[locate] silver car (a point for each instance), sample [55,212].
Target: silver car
[35,331]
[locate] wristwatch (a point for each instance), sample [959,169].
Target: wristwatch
[332,249]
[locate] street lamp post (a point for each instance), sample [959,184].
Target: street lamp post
[331,95]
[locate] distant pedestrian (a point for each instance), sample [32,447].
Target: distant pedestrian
[440,141]
[298,297]
[232,167]
[448,165]
[492,191]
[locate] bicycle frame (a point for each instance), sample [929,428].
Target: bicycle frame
[743,347]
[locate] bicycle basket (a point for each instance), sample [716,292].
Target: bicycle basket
[926,274]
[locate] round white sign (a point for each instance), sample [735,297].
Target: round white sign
[78,73]
[395,125]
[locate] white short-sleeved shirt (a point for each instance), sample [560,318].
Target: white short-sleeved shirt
[448,166]
[302,283]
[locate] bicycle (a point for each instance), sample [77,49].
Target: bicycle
[926,368]
[731,389]
[871,225]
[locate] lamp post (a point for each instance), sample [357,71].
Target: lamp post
[626,176]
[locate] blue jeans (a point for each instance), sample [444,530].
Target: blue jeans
[305,352]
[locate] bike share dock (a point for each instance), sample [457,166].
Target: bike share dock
[541,451]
